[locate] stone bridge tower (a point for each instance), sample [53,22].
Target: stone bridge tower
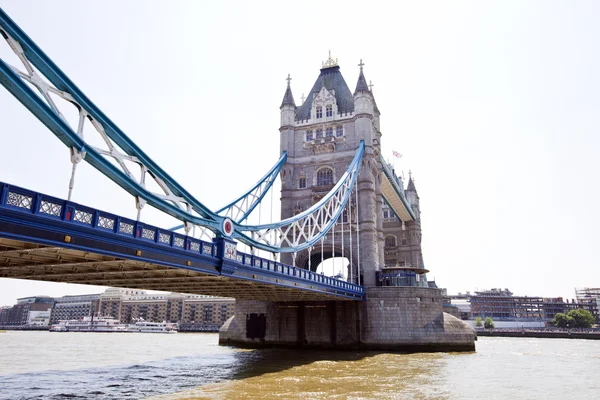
[321,136]
[400,312]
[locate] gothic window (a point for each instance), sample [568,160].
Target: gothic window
[403,242]
[319,133]
[339,131]
[325,177]
[319,112]
[302,183]
[328,110]
[329,132]
[388,214]
[390,241]
[309,135]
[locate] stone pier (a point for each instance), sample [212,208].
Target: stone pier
[391,319]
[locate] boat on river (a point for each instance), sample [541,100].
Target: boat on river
[142,326]
[90,324]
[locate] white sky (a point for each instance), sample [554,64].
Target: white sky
[494,106]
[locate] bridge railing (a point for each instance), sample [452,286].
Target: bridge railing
[40,205]
[270,265]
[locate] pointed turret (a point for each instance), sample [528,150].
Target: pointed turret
[413,196]
[411,185]
[361,85]
[363,99]
[288,106]
[288,97]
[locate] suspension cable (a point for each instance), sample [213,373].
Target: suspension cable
[350,234]
[357,235]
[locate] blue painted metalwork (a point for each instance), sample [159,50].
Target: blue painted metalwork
[205,217]
[48,117]
[269,179]
[347,181]
[34,217]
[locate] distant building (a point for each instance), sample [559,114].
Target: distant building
[4,312]
[126,305]
[74,307]
[501,304]
[19,314]
[591,296]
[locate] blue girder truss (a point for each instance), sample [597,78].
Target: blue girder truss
[291,235]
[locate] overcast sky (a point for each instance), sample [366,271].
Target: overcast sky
[494,106]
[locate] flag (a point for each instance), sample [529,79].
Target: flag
[396,154]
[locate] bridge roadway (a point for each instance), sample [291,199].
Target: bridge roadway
[48,239]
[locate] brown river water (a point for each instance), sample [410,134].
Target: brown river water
[44,365]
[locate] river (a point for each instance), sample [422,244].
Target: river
[44,365]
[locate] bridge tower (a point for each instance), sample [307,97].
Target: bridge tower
[400,311]
[320,137]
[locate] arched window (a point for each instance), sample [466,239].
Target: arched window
[319,133]
[329,132]
[302,183]
[339,131]
[325,177]
[390,241]
[328,110]
[309,135]
[319,112]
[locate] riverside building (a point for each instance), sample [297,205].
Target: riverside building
[501,304]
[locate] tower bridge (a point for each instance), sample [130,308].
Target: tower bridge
[339,199]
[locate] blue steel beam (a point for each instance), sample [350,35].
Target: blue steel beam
[34,217]
[16,86]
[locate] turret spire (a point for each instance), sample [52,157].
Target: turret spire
[288,98]
[361,85]
[411,183]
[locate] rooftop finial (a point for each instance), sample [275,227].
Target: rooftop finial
[371,86]
[330,62]
[288,79]
[361,64]
[303,98]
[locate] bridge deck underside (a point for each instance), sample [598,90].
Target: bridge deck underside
[24,260]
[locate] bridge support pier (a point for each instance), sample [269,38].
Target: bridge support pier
[391,319]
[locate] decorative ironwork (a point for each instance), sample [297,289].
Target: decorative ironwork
[194,246]
[207,249]
[178,242]
[107,223]
[257,263]
[124,227]
[50,208]
[83,217]
[164,238]
[331,62]
[148,233]
[230,251]
[19,200]
[240,258]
